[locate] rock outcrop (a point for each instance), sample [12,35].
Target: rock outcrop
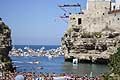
[5,47]
[93,35]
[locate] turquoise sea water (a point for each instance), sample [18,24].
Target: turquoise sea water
[56,65]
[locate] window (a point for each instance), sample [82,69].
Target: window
[118,18]
[113,7]
[103,13]
[73,18]
[0,19]
[79,21]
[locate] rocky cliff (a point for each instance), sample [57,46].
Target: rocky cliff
[5,47]
[93,35]
[89,46]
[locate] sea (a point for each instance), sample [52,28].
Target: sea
[54,65]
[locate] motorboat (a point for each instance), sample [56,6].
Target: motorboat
[34,62]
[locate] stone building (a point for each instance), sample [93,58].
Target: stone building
[95,33]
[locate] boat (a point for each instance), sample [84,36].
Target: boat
[34,62]
[40,67]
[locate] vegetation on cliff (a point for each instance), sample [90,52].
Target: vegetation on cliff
[114,65]
[115,62]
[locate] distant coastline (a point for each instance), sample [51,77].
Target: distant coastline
[47,47]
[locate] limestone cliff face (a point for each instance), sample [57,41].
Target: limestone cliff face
[93,34]
[5,46]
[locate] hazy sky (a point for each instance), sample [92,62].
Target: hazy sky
[35,21]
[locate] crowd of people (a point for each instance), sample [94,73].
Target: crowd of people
[46,76]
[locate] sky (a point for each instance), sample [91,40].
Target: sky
[35,22]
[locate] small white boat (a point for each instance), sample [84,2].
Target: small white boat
[40,67]
[36,62]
